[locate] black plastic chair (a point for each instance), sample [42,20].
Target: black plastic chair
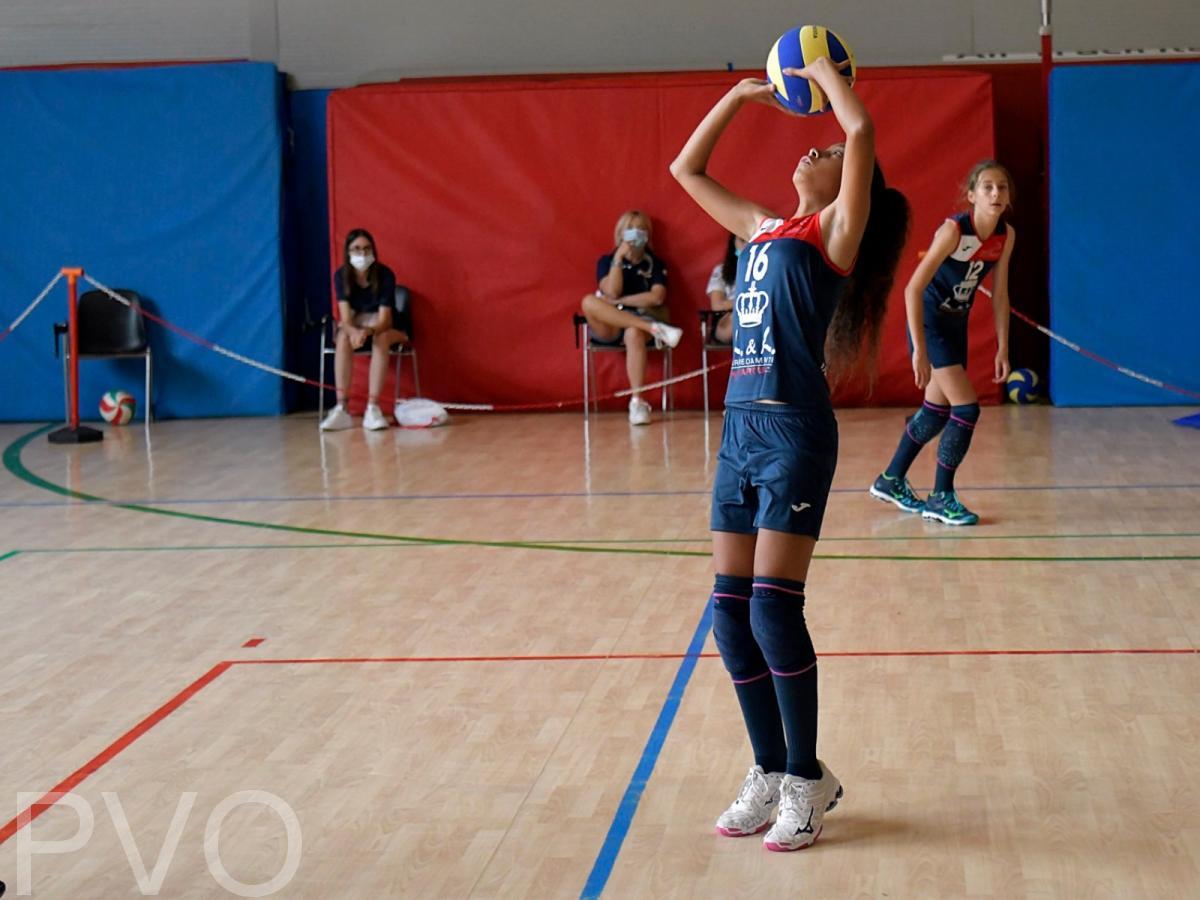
[709,342]
[401,321]
[108,329]
[584,341]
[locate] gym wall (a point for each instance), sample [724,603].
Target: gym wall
[166,180]
[1123,231]
[493,198]
[325,45]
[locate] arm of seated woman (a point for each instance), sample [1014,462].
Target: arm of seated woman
[656,296]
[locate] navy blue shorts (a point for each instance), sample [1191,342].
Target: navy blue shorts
[945,338]
[774,469]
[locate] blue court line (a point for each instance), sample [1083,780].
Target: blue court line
[607,856]
[551,495]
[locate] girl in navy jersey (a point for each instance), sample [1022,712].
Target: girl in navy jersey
[938,298]
[815,280]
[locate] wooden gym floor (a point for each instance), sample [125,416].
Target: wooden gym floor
[466,660]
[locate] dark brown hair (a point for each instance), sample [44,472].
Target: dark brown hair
[858,318]
[729,266]
[349,273]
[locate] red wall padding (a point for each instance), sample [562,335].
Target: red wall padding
[493,198]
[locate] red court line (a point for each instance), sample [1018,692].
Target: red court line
[253,642]
[108,753]
[116,747]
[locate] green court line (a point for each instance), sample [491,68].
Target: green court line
[398,544]
[921,537]
[16,467]
[9,554]
[189,548]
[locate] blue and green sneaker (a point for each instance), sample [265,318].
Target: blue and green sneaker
[946,508]
[898,491]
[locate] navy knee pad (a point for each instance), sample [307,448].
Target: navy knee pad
[927,422]
[957,437]
[777,620]
[732,632]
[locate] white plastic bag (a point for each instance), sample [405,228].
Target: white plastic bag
[420,412]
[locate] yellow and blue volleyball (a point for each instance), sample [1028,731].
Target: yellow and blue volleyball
[1023,386]
[796,49]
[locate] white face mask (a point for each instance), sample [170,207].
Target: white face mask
[362,261]
[636,237]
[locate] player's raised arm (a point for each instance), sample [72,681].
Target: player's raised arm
[690,168]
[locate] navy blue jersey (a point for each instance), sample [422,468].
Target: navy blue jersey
[952,289]
[637,277]
[785,296]
[361,299]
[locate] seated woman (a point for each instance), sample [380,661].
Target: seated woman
[720,289]
[628,305]
[365,291]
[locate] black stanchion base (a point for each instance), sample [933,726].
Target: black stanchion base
[81,435]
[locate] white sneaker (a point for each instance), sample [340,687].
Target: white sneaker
[751,812]
[639,412]
[373,419]
[666,334]
[337,419]
[802,806]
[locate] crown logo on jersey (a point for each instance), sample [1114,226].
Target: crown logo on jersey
[751,305]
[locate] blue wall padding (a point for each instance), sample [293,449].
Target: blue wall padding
[307,247]
[166,180]
[1124,234]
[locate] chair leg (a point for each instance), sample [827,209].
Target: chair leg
[666,377]
[416,375]
[66,357]
[399,370]
[148,417]
[595,382]
[704,366]
[583,344]
[321,382]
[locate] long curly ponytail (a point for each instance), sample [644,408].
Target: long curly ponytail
[854,330]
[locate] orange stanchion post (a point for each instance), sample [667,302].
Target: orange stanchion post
[73,432]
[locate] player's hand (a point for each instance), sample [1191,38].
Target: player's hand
[822,65]
[758,90]
[922,371]
[358,337]
[1002,367]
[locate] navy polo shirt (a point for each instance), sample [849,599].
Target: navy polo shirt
[361,299]
[638,277]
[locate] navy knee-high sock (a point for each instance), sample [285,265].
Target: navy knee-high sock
[955,442]
[777,618]
[920,428]
[751,676]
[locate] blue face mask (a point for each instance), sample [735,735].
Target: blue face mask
[635,237]
[737,251]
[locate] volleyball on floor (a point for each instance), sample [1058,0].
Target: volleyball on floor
[117,407]
[796,49]
[1023,386]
